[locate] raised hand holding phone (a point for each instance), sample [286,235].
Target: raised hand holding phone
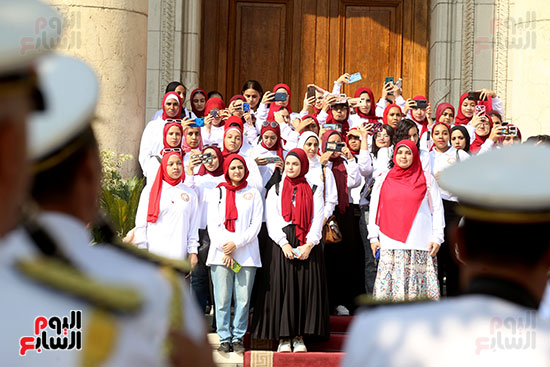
[268,97]
[344,78]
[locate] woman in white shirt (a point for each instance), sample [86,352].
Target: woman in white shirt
[234,221]
[296,302]
[444,155]
[166,220]
[406,224]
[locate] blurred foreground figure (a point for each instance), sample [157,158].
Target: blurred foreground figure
[504,249]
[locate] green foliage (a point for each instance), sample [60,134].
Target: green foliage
[119,197]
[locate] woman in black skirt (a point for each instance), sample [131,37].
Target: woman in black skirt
[295,302]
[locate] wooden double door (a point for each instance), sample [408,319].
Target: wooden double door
[303,41]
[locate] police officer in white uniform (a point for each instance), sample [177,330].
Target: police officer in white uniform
[505,249]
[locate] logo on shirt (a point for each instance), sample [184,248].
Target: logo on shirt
[185,197]
[248,196]
[66,334]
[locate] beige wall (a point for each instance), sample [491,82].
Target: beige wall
[111,36]
[528,82]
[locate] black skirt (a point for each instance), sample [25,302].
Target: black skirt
[292,299]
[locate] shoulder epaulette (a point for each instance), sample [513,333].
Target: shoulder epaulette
[367,300]
[65,278]
[181,266]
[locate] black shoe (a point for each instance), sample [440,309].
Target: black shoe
[238,346]
[225,347]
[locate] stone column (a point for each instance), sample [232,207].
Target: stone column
[191,51]
[528,72]
[111,36]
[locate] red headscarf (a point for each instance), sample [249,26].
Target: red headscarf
[355,152]
[301,212]
[424,122]
[213,103]
[219,171]
[387,112]
[167,96]
[463,120]
[401,196]
[232,123]
[231,213]
[340,173]
[236,97]
[278,146]
[275,107]
[195,111]
[156,189]
[479,140]
[433,128]
[371,116]
[314,117]
[345,124]
[165,133]
[186,147]
[441,108]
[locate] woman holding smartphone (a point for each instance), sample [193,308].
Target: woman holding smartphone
[234,221]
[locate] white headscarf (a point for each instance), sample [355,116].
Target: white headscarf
[313,162]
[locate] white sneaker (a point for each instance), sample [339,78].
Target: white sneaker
[298,344]
[284,346]
[342,311]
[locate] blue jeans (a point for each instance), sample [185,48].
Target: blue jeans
[227,284]
[370,265]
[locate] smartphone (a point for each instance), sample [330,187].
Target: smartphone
[199,122]
[340,99]
[310,92]
[476,96]
[296,251]
[271,159]
[421,104]
[480,108]
[236,266]
[504,123]
[377,127]
[509,130]
[337,127]
[377,257]
[280,97]
[389,79]
[354,78]
[246,107]
[214,112]
[206,157]
[334,147]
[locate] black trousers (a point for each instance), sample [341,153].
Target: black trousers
[447,271]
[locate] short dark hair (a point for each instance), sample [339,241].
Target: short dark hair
[171,87]
[212,92]
[57,181]
[253,84]
[497,243]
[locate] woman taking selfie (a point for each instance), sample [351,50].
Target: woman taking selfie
[234,220]
[406,224]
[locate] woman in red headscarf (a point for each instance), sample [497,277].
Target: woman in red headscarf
[295,300]
[171,139]
[205,183]
[343,284]
[392,115]
[485,135]
[152,138]
[268,106]
[269,154]
[445,112]
[364,113]
[234,221]
[406,228]
[240,108]
[166,219]
[212,131]
[512,139]
[422,117]
[198,102]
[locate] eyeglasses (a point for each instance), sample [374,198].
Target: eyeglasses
[173,120]
[168,150]
[268,123]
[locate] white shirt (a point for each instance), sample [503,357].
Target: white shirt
[354,178]
[365,170]
[176,231]
[471,330]
[214,137]
[206,189]
[440,161]
[315,177]
[151,145]
[427,226]
[276,223]
[544,308]
[185,111]
[382,104]
[247,226]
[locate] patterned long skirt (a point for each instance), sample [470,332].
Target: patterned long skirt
[406,275]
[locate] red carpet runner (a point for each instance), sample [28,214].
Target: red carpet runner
[320,354]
